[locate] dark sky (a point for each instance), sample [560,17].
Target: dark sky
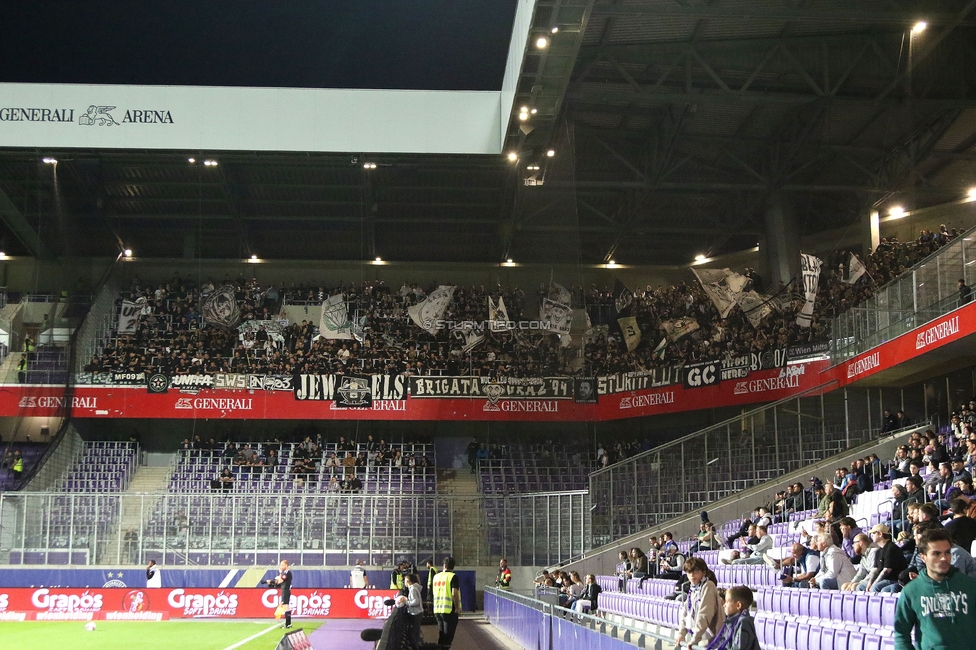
[408,44]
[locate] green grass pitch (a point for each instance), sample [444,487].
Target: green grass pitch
[165,635]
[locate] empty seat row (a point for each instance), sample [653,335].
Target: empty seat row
[782,634]
[856,607]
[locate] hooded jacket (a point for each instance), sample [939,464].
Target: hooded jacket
[941,614]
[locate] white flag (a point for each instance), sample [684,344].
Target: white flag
[469,337]
[426,313]
[559,315]
[722,286]
[810,266]
[855,269]
[679,328]
[755,306]
[334,323]
[559,293]
[497,315]
[129,317]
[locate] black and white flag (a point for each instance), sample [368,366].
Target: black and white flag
[854,269]
[426,314]
[810,265]
[129,317]
[334,323]
[622,296]
[220,308]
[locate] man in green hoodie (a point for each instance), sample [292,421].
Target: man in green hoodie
[939,605]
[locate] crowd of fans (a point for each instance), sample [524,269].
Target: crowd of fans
[171,336]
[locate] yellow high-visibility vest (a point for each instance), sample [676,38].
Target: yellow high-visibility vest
[443,598]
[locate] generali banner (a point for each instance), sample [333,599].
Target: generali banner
[52,604]
[436,399]
[933,335]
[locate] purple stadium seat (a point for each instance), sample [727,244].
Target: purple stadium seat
[803,636]
[841,639]
[836,606]
[888,643]
[872,642]
[791,635]
[874,610]
[827,638]
[779,633]
[888,606]
[861,608]
[856,641]
[794,601]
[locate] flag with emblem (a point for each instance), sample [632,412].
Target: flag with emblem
[430,310]
[631,332]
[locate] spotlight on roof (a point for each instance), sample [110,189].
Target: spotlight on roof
[379,259]
[369,165]
[191,160]
[551,153]
[542,43]
[523,116]
[534,111]
[49,161]
[897,212]
[972,193]
[512,156]
[3,255]
[508,262]
[210,163]
[254,257]
[127,252]
[612,264]
[700,258]
[919,27]
[555,30]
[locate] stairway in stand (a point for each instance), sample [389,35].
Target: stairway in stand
[470,535]
[138,502]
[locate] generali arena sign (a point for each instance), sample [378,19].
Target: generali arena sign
[161,604]
[551,399]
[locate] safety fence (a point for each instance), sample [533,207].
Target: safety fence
[923,293]
[541,626]
[687,474]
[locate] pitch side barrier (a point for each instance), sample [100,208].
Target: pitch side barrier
[603,559]
[534,624]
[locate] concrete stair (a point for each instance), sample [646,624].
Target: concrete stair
[470,533]
[138,502]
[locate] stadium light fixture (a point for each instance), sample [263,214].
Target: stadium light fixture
[897,212]
[3,255]
[534,111]
[127,252]
[210,163]
[369,165]
[919,27]
[512,156]
[254,258]
[972,193]
[49,161]
[700,258]
[508,262]
[555,30]
[192,161]
[523,116]
[542,43]
[551,153]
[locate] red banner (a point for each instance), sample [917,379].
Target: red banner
[137,402]
[162,604]
[931,336]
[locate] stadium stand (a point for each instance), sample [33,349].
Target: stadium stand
[103,467]
[30,453]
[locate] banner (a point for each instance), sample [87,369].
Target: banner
[349,391]
[55,604]
[584,390]
[481,387]
[854,269]
[220,308]
[426,313]
[631,332]
[129,317]
[810,266]
[679,328]
[334,323]
[703,374]
[497,315]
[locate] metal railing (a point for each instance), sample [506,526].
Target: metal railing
[687,474]
[925,292]
[539,528]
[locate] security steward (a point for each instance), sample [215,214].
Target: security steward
[283,581]
[447,603]
[504,578]
[429,593]
[397,576]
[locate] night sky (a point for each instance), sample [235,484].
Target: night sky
[402,44]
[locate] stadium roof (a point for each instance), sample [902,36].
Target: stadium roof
[671,123]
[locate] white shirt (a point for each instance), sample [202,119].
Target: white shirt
[358,577]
